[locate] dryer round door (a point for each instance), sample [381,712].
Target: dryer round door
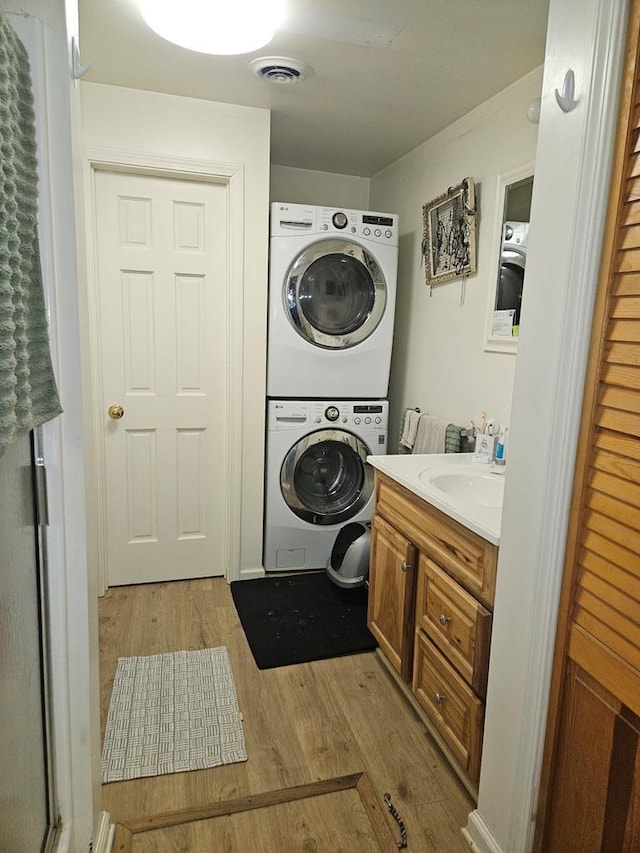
[325,478]
[335,294]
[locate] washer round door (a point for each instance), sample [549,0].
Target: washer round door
[511,281]
[325,477]
[335,294]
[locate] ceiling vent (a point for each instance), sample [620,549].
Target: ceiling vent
[279,69]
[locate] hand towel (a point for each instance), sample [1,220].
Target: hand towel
[28,394]
[430,435]
[409,429]
[453,439]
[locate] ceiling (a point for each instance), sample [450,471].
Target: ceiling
[385,74]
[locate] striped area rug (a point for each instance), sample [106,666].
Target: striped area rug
[170,713]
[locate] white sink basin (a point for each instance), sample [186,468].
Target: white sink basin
[468,484]
[467,491]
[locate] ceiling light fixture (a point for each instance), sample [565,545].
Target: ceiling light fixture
[214,26]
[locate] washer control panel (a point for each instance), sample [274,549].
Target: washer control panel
[356,416]
[515,235]
[365,415]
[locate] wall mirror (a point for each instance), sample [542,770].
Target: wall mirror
[513,207]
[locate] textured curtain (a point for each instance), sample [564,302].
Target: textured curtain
[28,394]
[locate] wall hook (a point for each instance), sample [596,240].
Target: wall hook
[566,100]
[77,69]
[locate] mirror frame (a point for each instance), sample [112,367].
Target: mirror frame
[495,343]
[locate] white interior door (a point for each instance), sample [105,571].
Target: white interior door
[163,273]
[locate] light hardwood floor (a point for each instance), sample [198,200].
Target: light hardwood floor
[302,724]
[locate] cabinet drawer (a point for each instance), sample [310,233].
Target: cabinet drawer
[455,621]
[469,558]
[450,704]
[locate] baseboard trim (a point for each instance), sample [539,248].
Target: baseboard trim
[104,837]
[478,836]
[469,840]
[249,574]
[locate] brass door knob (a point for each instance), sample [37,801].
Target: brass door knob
[115,412]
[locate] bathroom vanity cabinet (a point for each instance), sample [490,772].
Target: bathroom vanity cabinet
[431,593]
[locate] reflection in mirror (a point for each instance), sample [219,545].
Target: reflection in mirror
[513,257]
[514,205]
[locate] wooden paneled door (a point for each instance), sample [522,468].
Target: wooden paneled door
[590,790]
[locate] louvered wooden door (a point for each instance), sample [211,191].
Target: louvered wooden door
[590,793]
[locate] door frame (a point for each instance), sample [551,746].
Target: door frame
[230,175]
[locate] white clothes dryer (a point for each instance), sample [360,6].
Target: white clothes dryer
[317,476]
[332,294]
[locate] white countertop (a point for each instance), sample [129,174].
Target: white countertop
[413,472]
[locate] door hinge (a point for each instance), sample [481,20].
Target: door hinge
[42,501]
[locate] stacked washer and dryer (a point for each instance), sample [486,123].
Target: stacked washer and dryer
[332,292]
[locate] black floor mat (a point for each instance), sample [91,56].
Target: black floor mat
[300,618]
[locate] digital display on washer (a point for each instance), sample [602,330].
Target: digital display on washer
[367,410]
[368,219]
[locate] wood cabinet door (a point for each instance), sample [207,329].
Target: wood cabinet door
[590,785]
[392,576]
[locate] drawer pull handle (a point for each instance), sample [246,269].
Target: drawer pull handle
[439,697]
[405,567]
[444,620]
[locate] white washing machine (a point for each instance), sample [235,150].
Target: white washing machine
[513,262]
[332,294]
[317,476]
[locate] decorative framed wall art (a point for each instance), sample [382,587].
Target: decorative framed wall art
[449,235]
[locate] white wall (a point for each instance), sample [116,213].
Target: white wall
[439,363]
[156,125]
[306,186]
